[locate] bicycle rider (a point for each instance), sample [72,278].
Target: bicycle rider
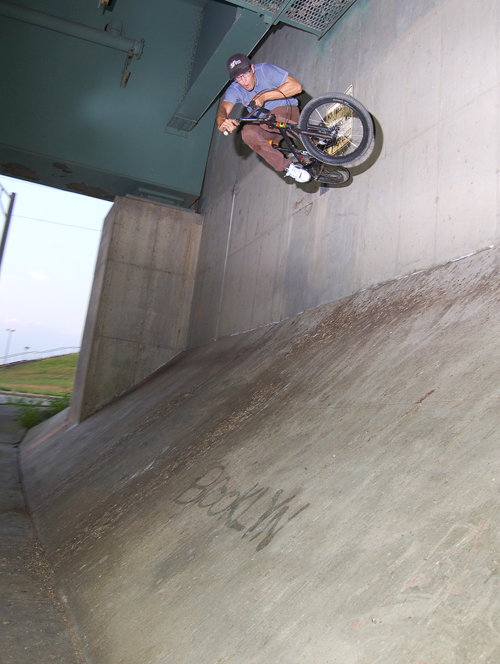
[270,86]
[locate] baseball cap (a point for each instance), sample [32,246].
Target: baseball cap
[238,64]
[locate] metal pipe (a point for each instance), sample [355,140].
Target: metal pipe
[71,28]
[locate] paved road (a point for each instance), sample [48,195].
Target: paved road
[32,627]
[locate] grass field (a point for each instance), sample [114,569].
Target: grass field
[54,376]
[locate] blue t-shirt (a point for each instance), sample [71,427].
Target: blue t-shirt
[268,77]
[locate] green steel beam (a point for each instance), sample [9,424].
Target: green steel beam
[267,12]
[243,35]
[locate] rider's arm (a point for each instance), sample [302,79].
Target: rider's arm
[289,88]
[224,123]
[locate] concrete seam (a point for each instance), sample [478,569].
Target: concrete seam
[147,294]
[441,122]
[497,225]
[186,294]
[436,207]
[225,262]
[136,343]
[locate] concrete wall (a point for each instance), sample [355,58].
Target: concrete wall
[141,299]
[429,73]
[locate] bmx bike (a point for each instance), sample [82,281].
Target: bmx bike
[336,131]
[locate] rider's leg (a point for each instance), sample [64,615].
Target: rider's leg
[257,137]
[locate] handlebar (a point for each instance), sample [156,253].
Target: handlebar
[254,110]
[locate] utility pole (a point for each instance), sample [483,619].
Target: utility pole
[6,226]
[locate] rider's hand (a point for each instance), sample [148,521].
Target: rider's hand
[228,126]
[259,100]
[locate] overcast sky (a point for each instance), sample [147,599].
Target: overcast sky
[48,266]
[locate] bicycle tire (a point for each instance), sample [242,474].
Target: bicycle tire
[329,175]
[346,133]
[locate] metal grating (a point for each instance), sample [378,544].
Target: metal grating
[317,15]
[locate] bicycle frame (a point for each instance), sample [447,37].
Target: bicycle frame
[285,128]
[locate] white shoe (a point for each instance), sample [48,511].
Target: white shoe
[297,173]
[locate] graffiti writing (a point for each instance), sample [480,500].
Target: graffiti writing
[212,492]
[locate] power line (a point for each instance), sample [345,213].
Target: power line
[56,223]
[37,352]
[4,189]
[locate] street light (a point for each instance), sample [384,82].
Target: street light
[8,344]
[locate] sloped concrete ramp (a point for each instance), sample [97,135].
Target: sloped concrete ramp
[320,491]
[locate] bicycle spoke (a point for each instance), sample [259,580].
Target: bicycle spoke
[349,141]
[321,118]
[341,129]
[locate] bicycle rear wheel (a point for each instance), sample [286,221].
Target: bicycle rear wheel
[342,131]
[329,174]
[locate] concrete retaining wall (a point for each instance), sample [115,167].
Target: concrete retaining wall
[141,300]
[429,73]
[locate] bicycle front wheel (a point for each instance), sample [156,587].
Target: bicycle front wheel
[340,129]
